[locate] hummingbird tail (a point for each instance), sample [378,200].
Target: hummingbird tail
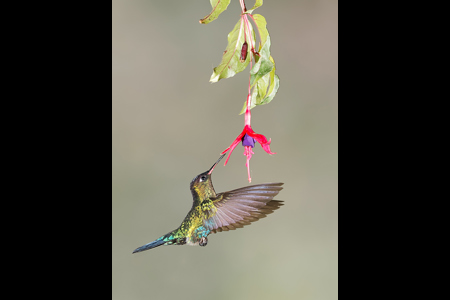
[151,245]
[169,239]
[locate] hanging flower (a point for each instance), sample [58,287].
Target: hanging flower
[248,138]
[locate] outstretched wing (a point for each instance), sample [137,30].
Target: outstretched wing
[237,208]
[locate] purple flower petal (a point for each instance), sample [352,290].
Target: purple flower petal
[248,141]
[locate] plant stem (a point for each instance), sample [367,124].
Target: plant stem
[247,118]
[248,115]
[244,9]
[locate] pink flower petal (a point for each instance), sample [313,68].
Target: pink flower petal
[261,139]
[233,145]
[266,147]
[265,144]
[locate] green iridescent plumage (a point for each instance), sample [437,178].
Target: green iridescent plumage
[211,212]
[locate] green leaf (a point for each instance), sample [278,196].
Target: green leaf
[273,89]
[261,24]
[230,64]
[258,3]
[264,64]
[274,85]
[260,94]
[218,6]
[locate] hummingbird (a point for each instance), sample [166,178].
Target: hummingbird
[212,213]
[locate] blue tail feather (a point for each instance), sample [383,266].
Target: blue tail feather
[151,245]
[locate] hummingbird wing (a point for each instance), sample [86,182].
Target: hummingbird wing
[240,207]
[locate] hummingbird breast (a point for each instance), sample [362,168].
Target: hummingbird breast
[193,227]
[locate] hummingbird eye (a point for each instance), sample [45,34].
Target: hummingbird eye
[202,178]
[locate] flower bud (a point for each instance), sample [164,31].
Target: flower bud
[244,52]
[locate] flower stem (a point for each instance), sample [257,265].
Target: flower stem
[244,9]
[248,115]
[248,34]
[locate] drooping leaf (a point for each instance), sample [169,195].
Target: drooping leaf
[271,94]
[264,65]
[258,3]
[273,88]
[260,94]
[261,87]
[218,6]
[261,24]
[231,64]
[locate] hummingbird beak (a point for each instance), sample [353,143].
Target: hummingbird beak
[212,168]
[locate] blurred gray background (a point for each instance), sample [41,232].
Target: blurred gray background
[169,124]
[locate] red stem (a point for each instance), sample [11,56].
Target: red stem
[252,46]
[244,9]
[248,115]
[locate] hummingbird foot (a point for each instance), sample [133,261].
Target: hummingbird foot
[203,242]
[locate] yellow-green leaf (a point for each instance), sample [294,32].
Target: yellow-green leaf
[274,85]
[258,3]
[261,24]
[264,65]
[231,64]
[218,6]
[260,94]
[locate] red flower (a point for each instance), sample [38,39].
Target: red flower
[248,137]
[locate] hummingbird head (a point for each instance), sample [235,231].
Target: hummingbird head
[201,185]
